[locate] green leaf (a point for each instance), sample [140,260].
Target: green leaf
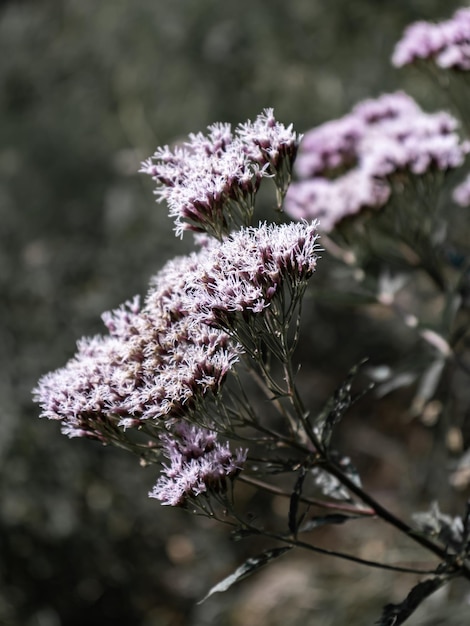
[250,566]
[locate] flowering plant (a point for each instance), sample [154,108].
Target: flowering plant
[177,378]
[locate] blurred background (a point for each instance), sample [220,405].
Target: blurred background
[87,90]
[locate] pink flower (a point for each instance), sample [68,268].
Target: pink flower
[461,194]
[158,363]
[163,361]
[243,273]
[346,165]
[199,464]
[446,43]
[211,182]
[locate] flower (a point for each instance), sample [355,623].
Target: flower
[347,164]
[239,277]
[446,43]
[461,194]
[330,201]
[156,364]
[267,141]
[81,393]
[329,147]
[162,361]
[211,182]
[199,464]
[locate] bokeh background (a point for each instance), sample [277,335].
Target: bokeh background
[87,90]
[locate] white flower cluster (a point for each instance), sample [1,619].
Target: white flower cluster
[210,183]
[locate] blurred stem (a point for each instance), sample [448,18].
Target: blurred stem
[391,519]
[296,543]
[348,557]
[346,256]
[347,508]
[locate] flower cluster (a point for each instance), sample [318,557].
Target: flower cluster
[82,393]
[211,181]
[198,464]
[244,273]
[447,43]
[162,362]
[159,362]
[156,364]
[346,165]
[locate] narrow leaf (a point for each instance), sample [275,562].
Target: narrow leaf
[315,522]
[428,384]
[330,485]
[350,470]
[294,501]
[396,614]
[250,566]
[338,404]
[466,527]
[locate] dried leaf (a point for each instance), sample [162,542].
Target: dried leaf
[338,404]
[428,384]
[449,530]
[329,485]
[350,470]
[396,614]
[336,518]
[294,502]
[250,566]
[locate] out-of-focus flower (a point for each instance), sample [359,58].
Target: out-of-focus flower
[347,165]
[446,43]
[330,201]
[199,464]
[211,182]
[461,194]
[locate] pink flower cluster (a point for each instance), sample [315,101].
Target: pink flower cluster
[211,181]
[155,364]
[347,164]
[246,272]
[198,464]
[161,361]
[446,43]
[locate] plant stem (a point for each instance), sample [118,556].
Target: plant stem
[348,508]
[391,519]
[348,557]
[331,467]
